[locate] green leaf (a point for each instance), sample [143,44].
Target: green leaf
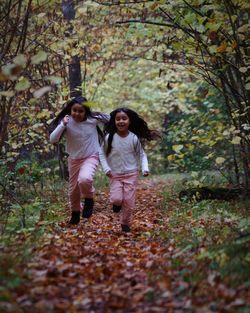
[55,79]
[212,49]
[39,57]
[7,94]
[213,26]
[20,60]
[189,18]
[22,84]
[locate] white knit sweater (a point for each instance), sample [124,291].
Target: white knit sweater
[81,138]
[126,155]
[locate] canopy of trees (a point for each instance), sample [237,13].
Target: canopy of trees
[137,53]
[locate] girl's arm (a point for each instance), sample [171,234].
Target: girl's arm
[103,160]
[143,158]
[57,133]
[102,118]
[144,162]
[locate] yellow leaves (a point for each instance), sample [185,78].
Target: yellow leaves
[190,146]
[236,140]
[92,104]
[219,160]
[44,113]
[222,259]
[177,148]
[171,157]
[8,93]
[96,48]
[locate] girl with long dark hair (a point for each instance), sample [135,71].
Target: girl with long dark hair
[121,155]
[79,126]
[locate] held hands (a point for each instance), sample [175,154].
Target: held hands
[65,120]
[109,174]
[145,173]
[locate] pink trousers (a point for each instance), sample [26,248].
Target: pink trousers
[122,192]
[81,175]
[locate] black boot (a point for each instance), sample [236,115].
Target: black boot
[88,207]
[75,217]
[125,228]
[116,208]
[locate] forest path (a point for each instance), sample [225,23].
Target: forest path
[94,267]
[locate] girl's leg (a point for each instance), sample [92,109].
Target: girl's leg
[85,182]
[74,191]
[116,191]
[129,193]
[86,176]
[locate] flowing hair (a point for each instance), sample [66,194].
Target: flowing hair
[67,111]
[137,126]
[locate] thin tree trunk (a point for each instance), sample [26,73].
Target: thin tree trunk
[75,77]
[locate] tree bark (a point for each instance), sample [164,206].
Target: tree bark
[75,77]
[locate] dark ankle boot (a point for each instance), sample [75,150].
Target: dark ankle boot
[75,217]
[88,207]
[117,208]
[125,228]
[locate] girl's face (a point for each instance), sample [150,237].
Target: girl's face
[78,112]
[122,123]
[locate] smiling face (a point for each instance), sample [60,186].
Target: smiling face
[122,123]
[78,112]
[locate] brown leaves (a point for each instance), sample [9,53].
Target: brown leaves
[94,267]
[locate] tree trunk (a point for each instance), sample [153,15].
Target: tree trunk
[75,77]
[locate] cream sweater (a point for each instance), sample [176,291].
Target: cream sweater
[126,155]
[81,138]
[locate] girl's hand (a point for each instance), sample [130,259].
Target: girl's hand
[65,120]
[145,173]
[109,174]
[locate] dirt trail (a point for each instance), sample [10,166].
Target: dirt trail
[94,267]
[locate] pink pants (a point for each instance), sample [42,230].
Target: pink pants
[122,192]
[81,175]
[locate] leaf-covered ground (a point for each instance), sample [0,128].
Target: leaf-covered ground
[95,268]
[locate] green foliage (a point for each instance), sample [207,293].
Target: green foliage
[22,192]
[200,138]
[216,232]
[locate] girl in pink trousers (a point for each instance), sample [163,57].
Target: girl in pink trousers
[120,157]
[79,126]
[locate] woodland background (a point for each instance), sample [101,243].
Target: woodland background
[182,65]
